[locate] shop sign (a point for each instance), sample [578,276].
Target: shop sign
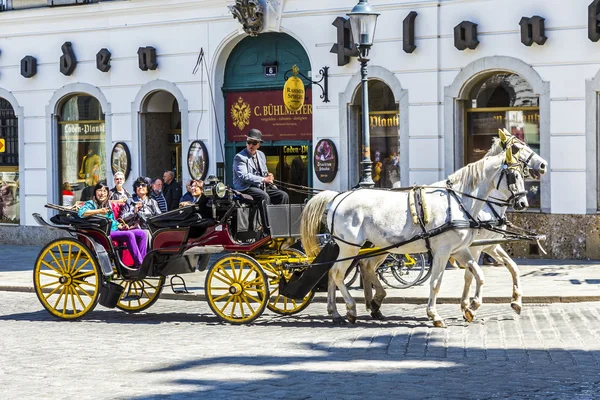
[2,145]
[265,111]
[293,92]
[82,131]
[326,161]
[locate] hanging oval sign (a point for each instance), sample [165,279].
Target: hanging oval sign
[293,94]
[326,161]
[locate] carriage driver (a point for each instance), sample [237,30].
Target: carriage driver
[250,176]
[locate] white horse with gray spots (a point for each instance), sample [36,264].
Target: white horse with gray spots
[383,218]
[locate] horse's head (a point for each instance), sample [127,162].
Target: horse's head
[511,182]
[535,166]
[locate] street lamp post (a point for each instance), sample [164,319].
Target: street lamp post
[363,20]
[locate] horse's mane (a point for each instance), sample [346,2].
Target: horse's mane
[495,149]
[469,176]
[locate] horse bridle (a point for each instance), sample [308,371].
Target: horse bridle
[510,172]
[526,167]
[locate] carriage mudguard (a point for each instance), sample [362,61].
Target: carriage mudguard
[299,285]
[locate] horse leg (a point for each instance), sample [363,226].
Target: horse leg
[479,280]
[437,272]
[370,280]
[500,255]
[331,306]
[363,265]
[338,272]
[468,314]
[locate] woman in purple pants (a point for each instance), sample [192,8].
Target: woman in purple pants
[135,239]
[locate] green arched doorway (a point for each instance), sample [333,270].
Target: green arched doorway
[254,99]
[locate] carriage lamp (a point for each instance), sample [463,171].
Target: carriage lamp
[363,20]
[218,189]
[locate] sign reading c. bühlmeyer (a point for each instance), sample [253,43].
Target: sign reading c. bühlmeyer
[265,111]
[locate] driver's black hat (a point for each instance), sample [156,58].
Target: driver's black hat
[255,134]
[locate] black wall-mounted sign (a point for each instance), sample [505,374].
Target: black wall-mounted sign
[271,71]
[465,36]
[147,58]
[198,160]
[28,66]
[120,159]
[532,30]
[326,161]
[68,62]
[408,32]
[594,21]
[344,47]
[103,60]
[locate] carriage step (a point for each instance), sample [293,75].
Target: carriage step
[178,290]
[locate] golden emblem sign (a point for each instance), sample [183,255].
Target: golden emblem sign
[240,114]
[293,92]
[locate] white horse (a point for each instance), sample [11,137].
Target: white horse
[383,218]
[536,166]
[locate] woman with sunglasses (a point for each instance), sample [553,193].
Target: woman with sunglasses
[140,206]
[135,239]
[251,176]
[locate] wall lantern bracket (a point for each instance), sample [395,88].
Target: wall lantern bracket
[324,74]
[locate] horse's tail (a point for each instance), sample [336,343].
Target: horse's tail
[311,221]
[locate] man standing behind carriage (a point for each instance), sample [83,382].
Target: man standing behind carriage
[251,176]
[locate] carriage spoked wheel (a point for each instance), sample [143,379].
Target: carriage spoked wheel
[67,278]
[278,303]
[139,295]
[237,288]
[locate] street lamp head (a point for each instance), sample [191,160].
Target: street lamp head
[363,20]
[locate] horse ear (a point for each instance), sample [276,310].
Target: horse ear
[509,156]
[502,136]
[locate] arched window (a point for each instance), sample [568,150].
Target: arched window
[384,122]
[507,101]
[81,148]
[9,164]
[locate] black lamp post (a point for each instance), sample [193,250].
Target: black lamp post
[363,20]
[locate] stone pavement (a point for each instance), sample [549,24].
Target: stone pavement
[542,281]
[179,350]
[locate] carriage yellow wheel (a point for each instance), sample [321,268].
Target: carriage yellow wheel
[278,303]
[236,288]
[67,279]
[139,295]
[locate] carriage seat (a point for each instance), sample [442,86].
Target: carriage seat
[189,216]
[73,219]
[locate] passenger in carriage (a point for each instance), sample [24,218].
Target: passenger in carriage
[187,196]
[140,206]
[135,239]
[198,198]
[250,176]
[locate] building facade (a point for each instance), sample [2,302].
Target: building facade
[146,86]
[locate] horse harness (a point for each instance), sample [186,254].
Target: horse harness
[421,213]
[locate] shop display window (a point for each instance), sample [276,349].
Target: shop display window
[503,101]
[81,148]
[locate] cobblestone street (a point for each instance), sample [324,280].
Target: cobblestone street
[178,349]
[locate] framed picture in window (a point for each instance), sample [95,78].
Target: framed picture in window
[198,160]
[120,159]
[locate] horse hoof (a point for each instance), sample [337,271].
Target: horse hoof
[475,305]
[339,321]
[378,315]
[351,318]
[469,315]
[516,307]
[374,306]
[439,324]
